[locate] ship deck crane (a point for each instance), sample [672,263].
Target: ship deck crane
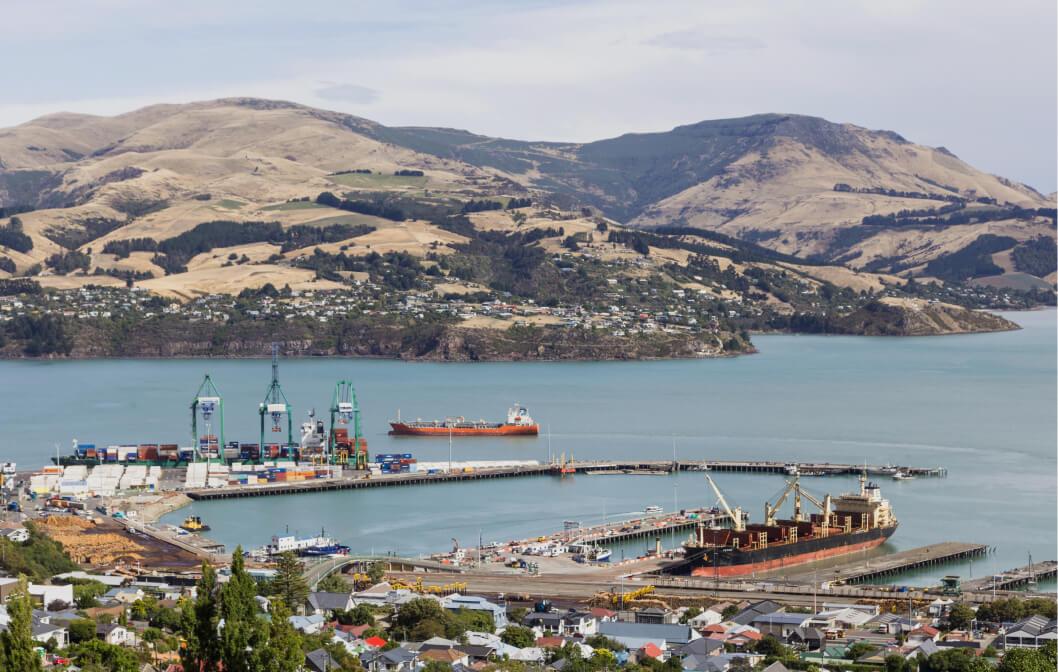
[735,515]
[275,404]
[207,402]
[823,506]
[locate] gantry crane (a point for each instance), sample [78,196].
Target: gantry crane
[275,405]
[342,448]
[207,402]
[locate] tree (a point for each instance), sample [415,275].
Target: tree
[333,583]
[82,630]
[858,650]
[282,652]
[1026,660]
[519,636]
[436,666]
[954,660]
[376,572]
[242,631]
[894,662]
[289,585]
[199,626]
[17,646]
[960,616]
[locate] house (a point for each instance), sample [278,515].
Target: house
[603,614]
[309,625]
[455,602]
[568,623]
[891,624]
[114,633]
[452,657]
[939,607]
[325,604]
[749,613]
[44,631]
[50,594]
[14,533]
[810,639]
[399,659]
[636,635]
[702,647]
[922,649]
[123,595]
[779,624]
[321,661]
[708,617]
[922,633]
[1031,633]
[869,609]
[845,618]
[653,615]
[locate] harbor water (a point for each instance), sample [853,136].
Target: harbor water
[982,406]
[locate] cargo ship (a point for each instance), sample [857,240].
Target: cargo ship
[518,423]
[849,523]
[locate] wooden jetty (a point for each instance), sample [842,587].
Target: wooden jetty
[1014,578]
[871,570]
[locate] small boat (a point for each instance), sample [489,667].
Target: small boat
[602,555]
[194,524]
[653,510]
[901,476]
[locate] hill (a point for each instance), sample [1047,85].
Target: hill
[698,235]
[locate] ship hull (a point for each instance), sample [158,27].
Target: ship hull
[411,429]
[728,562]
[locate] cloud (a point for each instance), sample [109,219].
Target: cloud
[348,93]
[695,40]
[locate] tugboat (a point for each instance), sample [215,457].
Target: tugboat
[518,423]
[194,524]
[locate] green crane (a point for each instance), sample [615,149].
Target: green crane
[275,404]
[206,403]
[344,408]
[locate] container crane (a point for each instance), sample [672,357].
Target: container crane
[207,403]
[275,405]
[342,448]
[737,521]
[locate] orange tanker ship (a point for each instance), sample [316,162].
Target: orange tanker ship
[518,424]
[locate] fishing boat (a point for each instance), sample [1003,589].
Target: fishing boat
[901,476]
[653,510]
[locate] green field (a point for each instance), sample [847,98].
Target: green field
[376,181]
[230,204]
[294,205]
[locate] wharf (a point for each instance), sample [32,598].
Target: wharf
[1014,578]
[870,570]
[595,467]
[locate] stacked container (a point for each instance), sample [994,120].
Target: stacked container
[396,463]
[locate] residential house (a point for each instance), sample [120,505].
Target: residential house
[1030,633]
[568,623]
[321,661]
[779,624]
[939,607]
[399,659]
[115,633]
[809,639]
[654,615]
[922,633]
[709,616]
[845,618]
[309,625]
[891,624]
[325,604]
[123,595]
[50,594]
[452,657]
[750,612]
[455,602]
[14,533]
[635,636]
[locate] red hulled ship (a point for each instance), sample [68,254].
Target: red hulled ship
[849,523]
[518,424]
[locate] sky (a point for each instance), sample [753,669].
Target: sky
[976,77]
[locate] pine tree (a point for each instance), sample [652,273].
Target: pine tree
[282,652]
[17,648]
[289,585]
[241,631]
[199,625]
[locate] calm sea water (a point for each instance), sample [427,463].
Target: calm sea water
[983,406]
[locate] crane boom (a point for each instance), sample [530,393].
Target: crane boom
[735,516]
[770,511]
